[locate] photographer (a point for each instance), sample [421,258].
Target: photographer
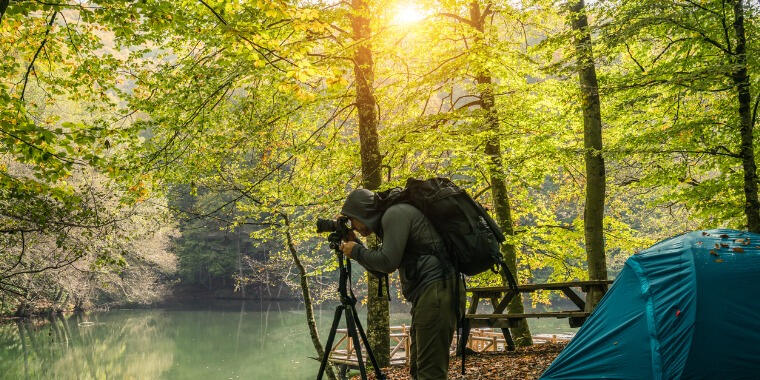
[411,245]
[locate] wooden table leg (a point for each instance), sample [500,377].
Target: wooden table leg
[508,339]
[575,298]
[501,306]
[498,309]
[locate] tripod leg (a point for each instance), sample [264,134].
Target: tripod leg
[351,324]
[330,338]
[370,354]
[463,340]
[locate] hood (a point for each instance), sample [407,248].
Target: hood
[362,205]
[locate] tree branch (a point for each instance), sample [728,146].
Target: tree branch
[477,102]
[20,255]
[59,265]
[258,48]
[481,192]
[5,289]
[717,151]
[37,53]
[630,54]
[562,226]
[458,18]
[702,34]
[222,20]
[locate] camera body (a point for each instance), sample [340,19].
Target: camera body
[338,229]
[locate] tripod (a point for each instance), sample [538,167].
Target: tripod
[354,327]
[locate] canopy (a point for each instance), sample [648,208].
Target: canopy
[684,308]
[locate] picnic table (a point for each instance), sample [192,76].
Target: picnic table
[500,296]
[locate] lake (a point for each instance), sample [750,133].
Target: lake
[230,341]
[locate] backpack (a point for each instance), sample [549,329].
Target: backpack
[472,238]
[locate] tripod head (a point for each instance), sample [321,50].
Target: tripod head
[339,229]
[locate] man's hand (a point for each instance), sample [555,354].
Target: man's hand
[347,247]
[350,236]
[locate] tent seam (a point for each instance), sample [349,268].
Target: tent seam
[654,343]
[694,278]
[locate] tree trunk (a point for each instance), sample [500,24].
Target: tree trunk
[306,297]
[378,315]
[593,213]
[741,81]
[3,7]
[521,333]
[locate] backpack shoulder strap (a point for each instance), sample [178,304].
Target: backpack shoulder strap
[386,199]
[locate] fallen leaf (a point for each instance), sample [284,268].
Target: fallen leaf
[525,363]
[738,249]
[724,236]
[712,252]
[718,260]
[724,245]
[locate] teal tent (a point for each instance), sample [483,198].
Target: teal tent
[685,308]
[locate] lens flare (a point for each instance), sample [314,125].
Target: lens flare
[409,13]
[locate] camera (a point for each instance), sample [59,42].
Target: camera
[338,225]
[338,229]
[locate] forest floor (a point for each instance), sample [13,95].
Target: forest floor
[524,363]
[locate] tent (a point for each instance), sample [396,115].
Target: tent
[683,309]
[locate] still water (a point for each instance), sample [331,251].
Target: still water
[237,341]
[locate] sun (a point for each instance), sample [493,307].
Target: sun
[409,13]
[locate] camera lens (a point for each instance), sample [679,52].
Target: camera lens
[326,225]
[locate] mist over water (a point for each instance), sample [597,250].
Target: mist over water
[238,341]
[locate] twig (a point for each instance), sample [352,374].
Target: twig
[223,21]
[37,53]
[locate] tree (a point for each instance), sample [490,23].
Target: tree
[679,64]
[495,167]
[593,214]
[740,76]
[378,314]
[66,198]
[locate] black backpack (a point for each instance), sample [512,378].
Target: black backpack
[471,236]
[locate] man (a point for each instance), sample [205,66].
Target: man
[411,245]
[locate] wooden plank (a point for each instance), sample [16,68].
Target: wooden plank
[553,314]
[499,323]
[398,347]
[526,288]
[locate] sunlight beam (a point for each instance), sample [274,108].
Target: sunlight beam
[409,13]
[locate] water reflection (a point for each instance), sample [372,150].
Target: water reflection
[213,341]
[243,341]
[84,347]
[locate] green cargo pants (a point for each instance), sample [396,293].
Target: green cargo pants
[434,320]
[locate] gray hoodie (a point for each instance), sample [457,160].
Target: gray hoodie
[410,243]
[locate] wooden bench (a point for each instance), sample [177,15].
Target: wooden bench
[501,296]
